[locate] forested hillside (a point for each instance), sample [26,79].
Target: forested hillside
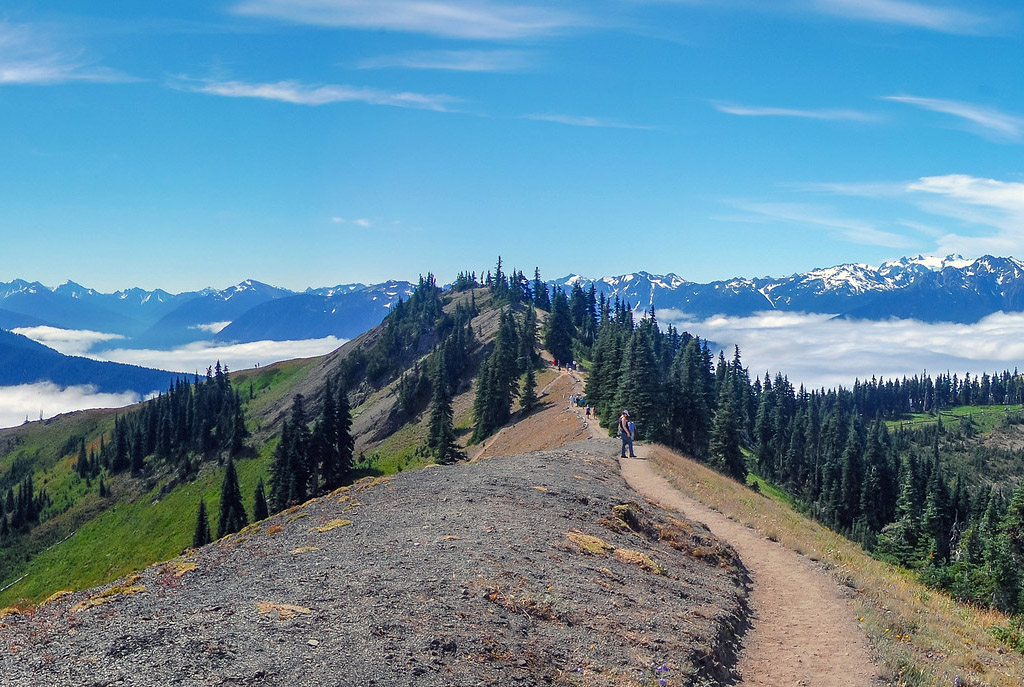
[919,470]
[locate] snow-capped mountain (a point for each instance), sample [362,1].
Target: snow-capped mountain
[343,311]
[930,289]
[248,311]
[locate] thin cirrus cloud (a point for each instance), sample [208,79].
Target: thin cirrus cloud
[986,121]
[584,121]
[825,114]
[466,19]
[909,14]
[989,212]
[849,229]
[455,60]
[31,56]
[980,215]
[305,94]
[359,222]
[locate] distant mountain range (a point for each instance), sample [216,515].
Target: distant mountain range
[950,289]
[250,311]
[23,361]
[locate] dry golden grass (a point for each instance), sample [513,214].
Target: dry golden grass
[304,549]
[640,558]
[56,596]
[179,568]
[589,543]
[333,524]
[128,587]
[284,611]
[921,636]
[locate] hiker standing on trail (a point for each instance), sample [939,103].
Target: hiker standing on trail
[626,434]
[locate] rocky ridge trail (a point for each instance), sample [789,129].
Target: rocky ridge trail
[803,628]
[535,568]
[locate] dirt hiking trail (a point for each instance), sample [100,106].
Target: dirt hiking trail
[804,629]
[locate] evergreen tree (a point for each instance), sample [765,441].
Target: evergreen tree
[232,513]
[280,475]
[260,511]
[331,440]
[441,431]
[639,389]
[726,456]
[541,299]
[201,536]
[528,398]
[558,332]
[497,382]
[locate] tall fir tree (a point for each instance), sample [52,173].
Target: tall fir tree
[232,513]
[441,430]
[260,511]
[558,332]
[725,453]
[201,535]
[528,397]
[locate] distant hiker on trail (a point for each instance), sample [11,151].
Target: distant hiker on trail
[588,411]
[626,434]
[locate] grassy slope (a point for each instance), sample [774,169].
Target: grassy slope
[139,525]
[984,418]
[921,637]
[146,526]
[120,540]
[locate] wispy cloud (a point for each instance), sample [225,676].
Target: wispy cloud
[1004,195]
[472,19]
[583,120]
[980,215]
[211,327]
[359,221]
[307,94]
[826,114]
[850,229]
[31,56]
[818,350]
[987,121]
[912,14]
[989,213]
[456,60]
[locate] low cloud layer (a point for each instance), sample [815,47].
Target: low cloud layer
[67,341]
[43,400]
[820,351]
[200,355]
[811,349]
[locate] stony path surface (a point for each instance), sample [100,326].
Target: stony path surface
[804,630]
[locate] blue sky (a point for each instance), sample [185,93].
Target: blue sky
[317,142]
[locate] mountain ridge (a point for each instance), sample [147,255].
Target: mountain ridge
[930,289]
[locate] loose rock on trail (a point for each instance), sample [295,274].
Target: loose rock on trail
[803,629]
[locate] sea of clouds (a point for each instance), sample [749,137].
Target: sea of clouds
[811,349]
[44,399]
[824,351]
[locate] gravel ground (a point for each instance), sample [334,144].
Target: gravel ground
[531,569]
